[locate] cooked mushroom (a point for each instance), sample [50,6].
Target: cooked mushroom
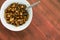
[16,14]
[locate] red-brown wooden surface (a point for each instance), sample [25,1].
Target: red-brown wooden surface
[45,24]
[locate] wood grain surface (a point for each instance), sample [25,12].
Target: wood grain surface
[45,24]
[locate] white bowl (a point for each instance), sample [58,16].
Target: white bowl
[9,26]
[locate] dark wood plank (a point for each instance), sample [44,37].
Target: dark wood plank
[45,24]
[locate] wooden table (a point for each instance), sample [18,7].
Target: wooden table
[45,24]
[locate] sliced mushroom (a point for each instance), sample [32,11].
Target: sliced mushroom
[16,14]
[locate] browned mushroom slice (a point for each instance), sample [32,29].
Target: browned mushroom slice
[24,20]
[11,19]
[17,17]
[20,17]
[8,9]
[13,9]
[12,22]
[22,10]
[25,14]
[8,15]
[25,17]
[23,6]
[19,7]
[21,13]
[13,5]
[20,21]
[17,23]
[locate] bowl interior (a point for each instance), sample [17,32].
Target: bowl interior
[9,26]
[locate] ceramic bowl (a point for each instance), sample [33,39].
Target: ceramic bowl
[9,26]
